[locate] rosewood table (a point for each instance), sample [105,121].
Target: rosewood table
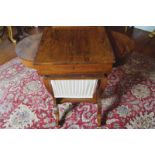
[70,53]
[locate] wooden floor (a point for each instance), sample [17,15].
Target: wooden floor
[7,51]
[144,44]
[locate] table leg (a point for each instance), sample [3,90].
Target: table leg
[102,85]
[99,114]
[56,111]
[48,86]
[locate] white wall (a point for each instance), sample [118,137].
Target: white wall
[146,28]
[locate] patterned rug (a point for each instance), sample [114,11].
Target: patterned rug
[129,99]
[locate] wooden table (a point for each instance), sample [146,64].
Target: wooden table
[70,53]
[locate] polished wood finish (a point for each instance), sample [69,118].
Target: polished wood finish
[74,45]
[73,69]
[70,53]
[74,50]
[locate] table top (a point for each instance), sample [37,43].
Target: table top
[68,52]
[74,45]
